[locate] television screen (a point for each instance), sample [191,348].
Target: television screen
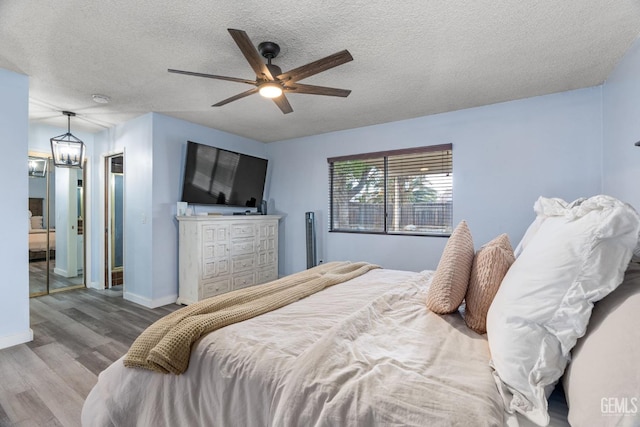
[213,176]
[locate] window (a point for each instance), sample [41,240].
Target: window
[406,192]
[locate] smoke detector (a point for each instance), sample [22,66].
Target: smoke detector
[100,99]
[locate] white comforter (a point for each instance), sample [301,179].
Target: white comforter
[366,352]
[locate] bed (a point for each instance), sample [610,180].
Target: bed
[256,373]
[38,244]
[365,352]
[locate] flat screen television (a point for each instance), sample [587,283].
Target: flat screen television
[213,176]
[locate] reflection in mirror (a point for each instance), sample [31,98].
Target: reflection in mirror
[66,270]
[37,167]
[56,227]
[117,244]
[41,228]
[115,223]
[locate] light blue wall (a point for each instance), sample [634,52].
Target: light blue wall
[154,146]
[40,136]
[134,138]
[621,129]
[170,138]
[14,193]
[505,156]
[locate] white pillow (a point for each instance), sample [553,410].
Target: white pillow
[577,256]
[550,206]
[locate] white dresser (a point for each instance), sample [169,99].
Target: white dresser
[219,254]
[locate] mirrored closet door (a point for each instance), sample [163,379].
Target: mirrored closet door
[41,240]
[56,216]
[114,215]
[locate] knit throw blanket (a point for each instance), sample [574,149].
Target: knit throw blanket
[165,346]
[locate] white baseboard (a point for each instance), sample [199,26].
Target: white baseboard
[60,272]
[149,303]
[95,285]
[15,339]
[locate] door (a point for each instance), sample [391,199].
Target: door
[40,174]
[114,218]
[56,227]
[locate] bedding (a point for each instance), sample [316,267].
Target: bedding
[38,240]
[364,352]
[165,346]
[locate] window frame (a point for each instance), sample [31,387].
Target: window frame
[384,155]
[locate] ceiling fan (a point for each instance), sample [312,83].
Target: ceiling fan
[270,81]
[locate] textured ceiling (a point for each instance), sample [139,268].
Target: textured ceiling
[411,58]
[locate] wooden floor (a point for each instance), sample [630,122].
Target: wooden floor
[77,334]
[38,277]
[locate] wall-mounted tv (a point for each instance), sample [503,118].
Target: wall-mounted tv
[213,176]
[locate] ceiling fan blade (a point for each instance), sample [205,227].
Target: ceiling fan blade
[236,97]
[317,90]
[316,67]
[283,103]
[212,76]
[250,53]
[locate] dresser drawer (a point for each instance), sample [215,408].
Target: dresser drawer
[216,233]
[243,230]
[268,230]
[266,244]
[215,288]
[267,258]
[244,280]
[243,247]
[215,250]
[214,267]
[242,264]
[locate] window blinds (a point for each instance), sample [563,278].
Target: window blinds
[394,192]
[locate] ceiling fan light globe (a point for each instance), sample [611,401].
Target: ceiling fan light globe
[270,90]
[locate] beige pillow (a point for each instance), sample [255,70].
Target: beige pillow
[602,382]
[490,265]
[451,279]
[36,222]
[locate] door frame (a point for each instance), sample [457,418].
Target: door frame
[107,214]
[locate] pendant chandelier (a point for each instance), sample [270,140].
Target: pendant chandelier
[67,150]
